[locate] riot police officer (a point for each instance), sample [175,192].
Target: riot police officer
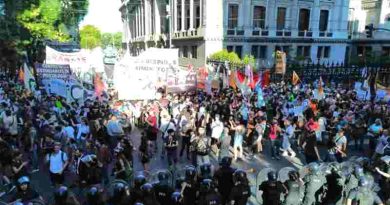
[208,194]
[205,172]
[121,195]
[314,183]
[241,191]
[294,186]
[363,194]
[335,182]
[62,196]
[162,189]
[148,195]
[94,197]
[272,189]
[189,186]
[224,178]
[176,198]
[136,192]
[24,192]
[352,180]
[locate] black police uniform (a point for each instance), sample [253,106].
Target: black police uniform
[211,198]
[224,177]
[189,193]
[271,192]
[163,193]
[240,194]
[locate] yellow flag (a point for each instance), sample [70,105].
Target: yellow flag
[295,78]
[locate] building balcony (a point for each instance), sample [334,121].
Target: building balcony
[237,31]
[325,34]
[283,33]
[192,33]
[305,33]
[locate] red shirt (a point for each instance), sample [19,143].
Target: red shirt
[153,122]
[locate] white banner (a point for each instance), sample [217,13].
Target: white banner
[82,63]
[139,77]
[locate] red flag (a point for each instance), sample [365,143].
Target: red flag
[256,78]
[232,80]
[240,76]
[266,78]
[99,86]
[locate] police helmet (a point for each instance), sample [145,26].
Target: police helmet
[206,185]
[363,182]
[18,203]
[176,196]
[138,203]
[205,169]
[93,192]
[23,180]
[162,176]
[314,167]
[272,176]
[139,180]
[61,193]
[119,188]
[239,176]
[359,171]
[190,173]
[147,189]
[226,162]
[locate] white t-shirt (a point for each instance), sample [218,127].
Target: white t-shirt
[217,129]
[69,132]
[57,161]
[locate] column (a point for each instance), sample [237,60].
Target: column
[183,14]
[174,15]
[157,16]
[142,18]
[147,17]
[201,12]
[137,22]
[192,14]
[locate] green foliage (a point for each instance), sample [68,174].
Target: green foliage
[42,20]
[90,37]
[112,39]
[249,60]
[73,11]
[233,59]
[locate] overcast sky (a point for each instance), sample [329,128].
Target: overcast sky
[104,14]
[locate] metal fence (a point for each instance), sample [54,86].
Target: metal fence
[336,72]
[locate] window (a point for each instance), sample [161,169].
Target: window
[303,51]
[263,52]
[179,15]
[239,51]
[194,51]
[304,19]
[323,52]
[197,15]
[259,17]
[181,52]
[185,52]
[233,16]
[281,18]
[188,16]
[324,15]
[229,48]
[255,51]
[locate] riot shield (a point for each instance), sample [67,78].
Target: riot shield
[261,177]
[154,178]
[283,173]
[209,175]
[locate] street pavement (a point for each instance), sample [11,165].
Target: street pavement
[41,182]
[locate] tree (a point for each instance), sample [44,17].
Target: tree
[233,59]
[112,39]
[42,20]
[90,37]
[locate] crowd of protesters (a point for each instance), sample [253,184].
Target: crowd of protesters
[84,145]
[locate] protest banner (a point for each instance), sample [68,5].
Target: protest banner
[146,73]
[280,66]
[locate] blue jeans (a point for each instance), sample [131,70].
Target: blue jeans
[274,148]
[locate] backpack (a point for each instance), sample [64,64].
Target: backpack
[62,157]
[202,147]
